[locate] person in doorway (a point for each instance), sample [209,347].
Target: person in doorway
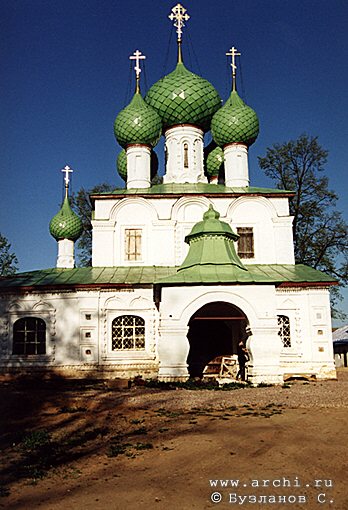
[243,358]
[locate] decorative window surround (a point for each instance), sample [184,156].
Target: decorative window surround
[40,310]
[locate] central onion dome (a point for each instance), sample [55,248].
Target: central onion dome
[235,122]
[183,97]
[66,224]
[138,123]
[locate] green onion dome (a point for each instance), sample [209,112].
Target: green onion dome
[66,224]
[138,123]
[211,225]
[183,97]
[211,243]
[122,164]
[214,162]
[235,122]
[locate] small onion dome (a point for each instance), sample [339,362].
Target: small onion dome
[211,243]
[235,122]
[122,164]
[66,224]
[183,97]
[138,123]
[211,225]
[214,161]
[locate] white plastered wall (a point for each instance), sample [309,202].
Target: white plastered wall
[79,331]
[311,351]
[258,303]
[272,228]
[166,221]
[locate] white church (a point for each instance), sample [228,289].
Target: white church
[182,271]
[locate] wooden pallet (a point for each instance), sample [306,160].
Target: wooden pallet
[222,367]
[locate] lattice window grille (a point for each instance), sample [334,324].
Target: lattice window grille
[284,330]
[128,333]
[245,246]
[29,336]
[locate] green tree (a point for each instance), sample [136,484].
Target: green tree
[320,232]
[8,260]
[82,205]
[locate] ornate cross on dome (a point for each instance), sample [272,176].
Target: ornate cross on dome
[233,53]
[67,170]
[179,15]
[137,56]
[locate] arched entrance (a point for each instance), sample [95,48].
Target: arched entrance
[214,330]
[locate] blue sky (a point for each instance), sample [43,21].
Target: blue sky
[65,75]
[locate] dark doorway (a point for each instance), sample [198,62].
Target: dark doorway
[214,330]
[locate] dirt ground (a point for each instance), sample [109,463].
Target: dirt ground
[73,445]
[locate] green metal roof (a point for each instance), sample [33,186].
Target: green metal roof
[195,189]
[211,243]
[256,274]
[110,277]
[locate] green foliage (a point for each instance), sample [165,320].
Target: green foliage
[35,439]
[8,260]
[82,205]
[193,384]
[320,232]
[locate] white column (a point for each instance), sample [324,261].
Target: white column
[236,165]
[138,166]
[173,349]
[264,347]
[184,148]
[65,254]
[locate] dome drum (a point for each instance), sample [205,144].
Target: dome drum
[184,151]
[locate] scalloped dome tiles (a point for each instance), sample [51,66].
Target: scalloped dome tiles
[66,224]
[235,122]
[183,97]
[138,123]
[215,161]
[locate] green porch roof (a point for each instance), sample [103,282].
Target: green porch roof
[275,274]
[194,189]
[111,277]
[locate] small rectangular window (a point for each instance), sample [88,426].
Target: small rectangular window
[88,334]
[88,316]
[133,244]
[245,244]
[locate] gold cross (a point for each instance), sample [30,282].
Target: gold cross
[179,15]
[67,170]
[233,53]
[137,56]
